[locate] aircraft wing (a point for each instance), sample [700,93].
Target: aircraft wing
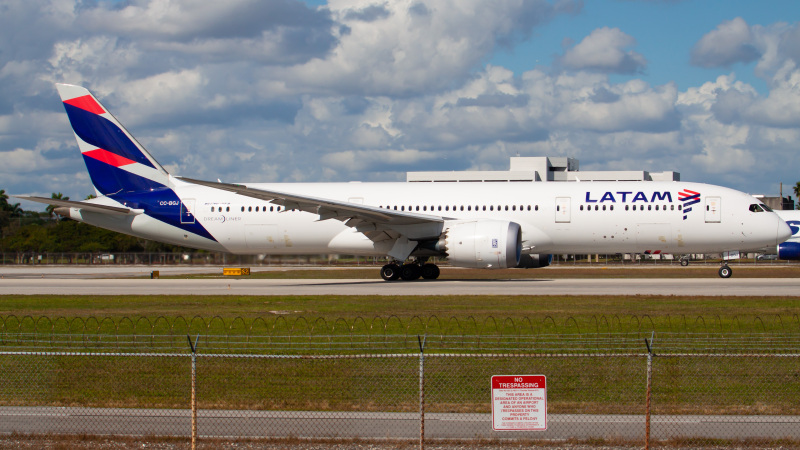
[376,223]
[94,207]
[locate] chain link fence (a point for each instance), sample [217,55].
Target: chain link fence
[675,389]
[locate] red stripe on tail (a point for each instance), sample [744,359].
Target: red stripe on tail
[108,157]
[86,103]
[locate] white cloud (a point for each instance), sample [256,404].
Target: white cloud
[605,51]
[731,42]
[411,50]
[367,89]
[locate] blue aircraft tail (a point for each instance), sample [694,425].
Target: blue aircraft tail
[116,162]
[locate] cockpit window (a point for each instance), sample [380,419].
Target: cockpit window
[760,207]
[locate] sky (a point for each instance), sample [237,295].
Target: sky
[366,90]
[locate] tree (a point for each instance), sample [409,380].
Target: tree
[51,208]
[797,193]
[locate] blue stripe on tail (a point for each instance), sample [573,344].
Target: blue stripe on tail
[109,180]
[101,132]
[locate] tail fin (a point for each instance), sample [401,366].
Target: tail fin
[115,160]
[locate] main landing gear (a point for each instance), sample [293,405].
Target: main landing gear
[410,271]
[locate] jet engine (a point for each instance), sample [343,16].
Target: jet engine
[789,251]
[482,244]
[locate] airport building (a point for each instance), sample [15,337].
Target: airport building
[547,168]
[543,168]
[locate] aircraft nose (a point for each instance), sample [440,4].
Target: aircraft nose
[784,232]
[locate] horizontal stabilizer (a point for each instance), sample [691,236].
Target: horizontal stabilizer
[93,207]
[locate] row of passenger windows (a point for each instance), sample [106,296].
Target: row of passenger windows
[248,209]
[425,208]
[631,207]
[463,208]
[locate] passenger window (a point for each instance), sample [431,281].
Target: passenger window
[581,207]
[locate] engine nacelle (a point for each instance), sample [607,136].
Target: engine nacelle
[482,244]
[789,251]
[534,261]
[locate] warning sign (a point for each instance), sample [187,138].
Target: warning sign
[519,403]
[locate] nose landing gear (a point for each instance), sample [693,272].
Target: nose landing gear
[725,271]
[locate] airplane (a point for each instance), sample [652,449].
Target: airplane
[790,249]
[474,225]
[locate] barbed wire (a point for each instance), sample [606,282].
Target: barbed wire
[413,325]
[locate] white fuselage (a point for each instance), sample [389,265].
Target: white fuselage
[555,217]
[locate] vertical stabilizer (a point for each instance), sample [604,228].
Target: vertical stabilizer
[116,162]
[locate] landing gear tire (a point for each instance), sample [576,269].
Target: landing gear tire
[390,272]
[410,272]
[684,262]
[430,271]
[725,272]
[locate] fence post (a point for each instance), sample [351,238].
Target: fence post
[422,391]
[649,385]
[193,347]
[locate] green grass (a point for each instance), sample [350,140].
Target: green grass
[397,314]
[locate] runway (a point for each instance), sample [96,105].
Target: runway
[379,425]
[117,280]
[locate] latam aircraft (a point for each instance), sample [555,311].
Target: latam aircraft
[477,225]
[789,250]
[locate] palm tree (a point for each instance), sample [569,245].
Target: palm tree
[15,210]
[4,200]
[51,208]
[797,193]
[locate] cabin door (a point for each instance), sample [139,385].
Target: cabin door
[563,209]
[713,209]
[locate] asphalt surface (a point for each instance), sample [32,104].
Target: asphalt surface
[378,425]
[101,281]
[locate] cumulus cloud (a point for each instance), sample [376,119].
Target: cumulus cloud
[730,43]
[409,48]
[369,89]
[274,31]
[605,50]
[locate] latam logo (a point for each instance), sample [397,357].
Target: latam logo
[630,197]
[688,198]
